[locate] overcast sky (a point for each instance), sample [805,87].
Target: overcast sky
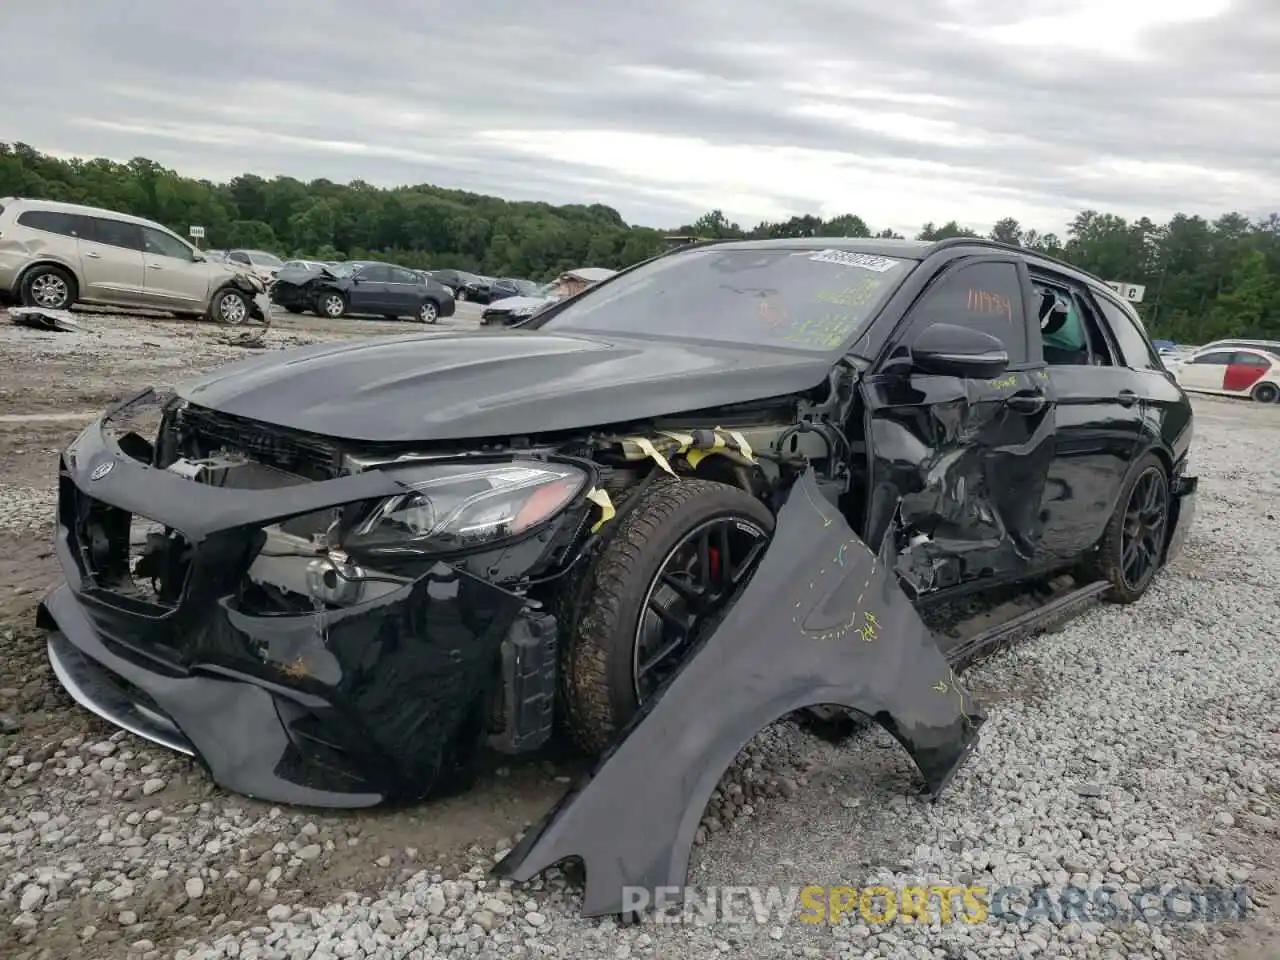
[899,112]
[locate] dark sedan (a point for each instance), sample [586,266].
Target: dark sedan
[363,287]
[508,287]
[455,280]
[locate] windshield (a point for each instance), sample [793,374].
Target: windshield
[526,288]
[797,299]
[266,259]
[345,269]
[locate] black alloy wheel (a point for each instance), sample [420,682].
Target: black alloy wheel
[1143,534]
[1132,546]
[668,570]
[698,576]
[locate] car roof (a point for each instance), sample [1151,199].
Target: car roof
[917,250]
[906,249]
[1256,344]
[58,206]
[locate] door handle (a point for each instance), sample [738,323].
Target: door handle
[93,256]
[1026,402]
[1127,398]
[154,266]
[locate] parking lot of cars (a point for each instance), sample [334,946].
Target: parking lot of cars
[1137,745]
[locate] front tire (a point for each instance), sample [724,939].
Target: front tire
[428,313]
[669,570]
[48,287]
[230,306]
[332,305]
[1128,555]
[1266,393]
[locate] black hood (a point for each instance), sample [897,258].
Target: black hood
[454,386]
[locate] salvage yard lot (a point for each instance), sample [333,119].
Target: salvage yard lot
[1136,745]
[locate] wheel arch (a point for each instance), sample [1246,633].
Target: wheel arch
[1267,381]
[47,261]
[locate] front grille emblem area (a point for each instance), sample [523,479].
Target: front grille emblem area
[101,470]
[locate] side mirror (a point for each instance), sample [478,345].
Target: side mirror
[198,257]
[949,350]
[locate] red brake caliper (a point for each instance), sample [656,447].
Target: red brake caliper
[713,555]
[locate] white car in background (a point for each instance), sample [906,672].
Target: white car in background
[1230,372]
[261,264]
[513,310]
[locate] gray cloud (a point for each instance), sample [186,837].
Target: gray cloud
[471,97]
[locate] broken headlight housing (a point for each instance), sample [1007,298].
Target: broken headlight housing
[455,507]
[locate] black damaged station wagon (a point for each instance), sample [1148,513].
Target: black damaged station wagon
[331,574]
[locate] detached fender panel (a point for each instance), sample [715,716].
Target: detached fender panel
[822,621]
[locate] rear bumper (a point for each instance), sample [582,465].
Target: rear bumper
[1182,514]
[383,700]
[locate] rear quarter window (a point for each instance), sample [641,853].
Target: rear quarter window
[52,221]
[1135,349]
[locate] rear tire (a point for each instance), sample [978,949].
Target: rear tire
[48,287]
[1128,556]
[1266,393]
[600,683]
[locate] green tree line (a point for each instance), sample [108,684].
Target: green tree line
[1205,279]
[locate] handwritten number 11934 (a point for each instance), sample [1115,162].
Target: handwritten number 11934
[985,301]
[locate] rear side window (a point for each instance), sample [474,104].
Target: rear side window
[984,296]
[1251,360]
[51,221]
[115,233]
[1135,348]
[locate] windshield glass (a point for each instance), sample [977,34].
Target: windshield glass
[345,269]
[796,299]
[266,259]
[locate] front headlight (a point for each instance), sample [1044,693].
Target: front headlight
[459,506]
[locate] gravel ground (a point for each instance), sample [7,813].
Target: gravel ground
[1137,745]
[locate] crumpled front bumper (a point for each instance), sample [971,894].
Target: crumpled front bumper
[380,701]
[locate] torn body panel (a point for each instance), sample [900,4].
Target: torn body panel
[957,472]
[369,698]
[820,622]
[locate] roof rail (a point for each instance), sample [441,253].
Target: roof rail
[1001,245]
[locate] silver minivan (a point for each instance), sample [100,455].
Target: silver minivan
[53,255]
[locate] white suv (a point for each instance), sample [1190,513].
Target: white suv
[53,255]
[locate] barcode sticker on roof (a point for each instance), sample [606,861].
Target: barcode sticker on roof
[847,258]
